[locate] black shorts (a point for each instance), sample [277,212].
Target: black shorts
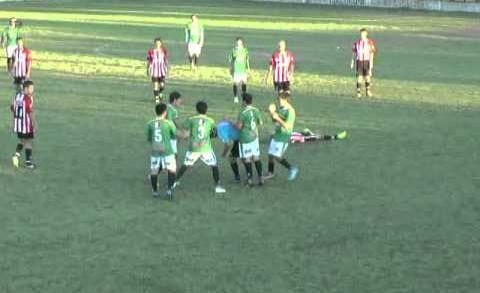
[158,79]
[281,87]
[30,135]
[363,68]
[19,80]
[235,152]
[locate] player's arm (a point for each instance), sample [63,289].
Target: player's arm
[3,38]
[187,35]
[202,35]
[292,65]
[269,71]
[149,61]
[148,133]
[248,61]
[231,62]
[354,56]
[372,56]
[29,64]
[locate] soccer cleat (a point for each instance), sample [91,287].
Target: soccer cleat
[16,161]
[176,184]
[30,165]
[156,194]
[269,176]
[293,173]
[250,182]
[237,179]
[369,93]
[359,95]
[342,135]
[170,194]
[236,100]
[220,189]
[261,181]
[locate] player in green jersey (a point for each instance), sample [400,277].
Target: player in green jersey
[201,129]
[284,118]
[160,132]
[239,67]
[175,100]
[9,40]
[248,121]
[194,38]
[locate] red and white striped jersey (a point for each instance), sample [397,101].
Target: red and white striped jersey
[22,108]
[22,58]
[283,65]
[157,62]
[363,49]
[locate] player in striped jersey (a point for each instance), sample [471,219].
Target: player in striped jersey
[201,129]
[175,100]
[159,133]
[284,118]
[9,40]
[24,124]
[282,64]
[248,121]
[363,53]
[239,67]
[157,68]
[22,64]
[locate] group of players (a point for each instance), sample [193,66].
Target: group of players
[241,137]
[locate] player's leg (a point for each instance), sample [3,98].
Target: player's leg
[235,91]
[255,149]
[234,155]
[359,67]
[9,52]
[170,164]
[368,79]
[28,143]
[18,152]
[210,160]
[272,151]
[155,168]
[276,154]
[244,84]
[190,159]
[246,156]
[161,87]
[156,89]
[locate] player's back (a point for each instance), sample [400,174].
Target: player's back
[250,118]
[160,133]
[201,128]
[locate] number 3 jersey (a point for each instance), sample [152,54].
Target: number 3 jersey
[201,128]
[160,132]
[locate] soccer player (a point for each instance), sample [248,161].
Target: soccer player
[22,64]
[159,133]
[175,100]
[24,124]
[194,38]
[282,64]
[248,122]
[230,135]
[157,68]
[239,67]
[363,53]
[284,117]
[201,129]
[9,41]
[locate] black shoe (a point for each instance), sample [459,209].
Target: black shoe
[261,181]
[237,179]
[30,165]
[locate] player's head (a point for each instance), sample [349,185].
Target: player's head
[20,42]
[239,42]
[12,21]
[28,87]
[282,45]
[157,42]
[194,17]
[175,98]
[247,99]
[202,107]
[161,110]
[283,98]
[363,33]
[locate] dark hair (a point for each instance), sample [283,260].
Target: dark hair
[19,39]
[174,96]
[12,20]
[239,39]
[160,109]
[202,107]
[363,29]
[193,15]
[284,95]
[158,39]
[27,83]
[247,98]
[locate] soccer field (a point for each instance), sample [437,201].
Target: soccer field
[394,208]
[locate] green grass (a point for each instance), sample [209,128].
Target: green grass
[394,208]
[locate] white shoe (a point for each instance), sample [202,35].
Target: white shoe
[15,161]
[235,100]
[219,189]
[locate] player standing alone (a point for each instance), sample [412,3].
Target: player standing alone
[201,128]
[362,59]
[9,40]
[194,37]
[24,124]
[284,117]
[159,133]
[239,67]
[248,122]
[157,68]
[22,64]
[282,65]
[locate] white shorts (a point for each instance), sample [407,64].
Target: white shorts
[248,150]
[239,78]
[168,162]
[173,142]
[277,149]
[208,158]
[194,49]
[9,51]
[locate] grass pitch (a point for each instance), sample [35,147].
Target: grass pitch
[394,208]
